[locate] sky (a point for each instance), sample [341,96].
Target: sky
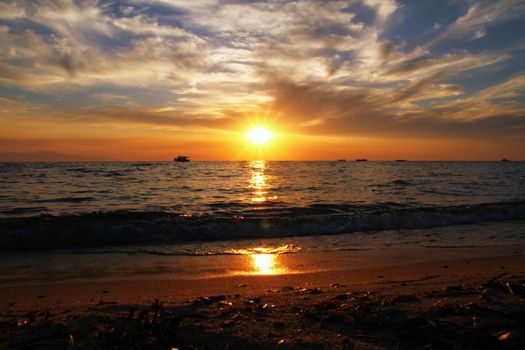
[153,79]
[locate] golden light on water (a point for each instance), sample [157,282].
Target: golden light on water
[258,181]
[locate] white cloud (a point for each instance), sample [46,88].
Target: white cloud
[222,56]
[480,33]
[384,9]
[478,16]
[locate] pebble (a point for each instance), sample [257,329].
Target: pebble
[278,325]
[391,311]
[507,335]
[407,298]
[488,292]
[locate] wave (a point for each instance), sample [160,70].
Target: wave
[283,249]
[129,228]
[64,200]
[395,183]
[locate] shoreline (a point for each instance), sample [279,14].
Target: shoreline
[310,310]
[293,255]
[66,294]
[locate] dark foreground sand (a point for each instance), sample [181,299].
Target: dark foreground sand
[461,304]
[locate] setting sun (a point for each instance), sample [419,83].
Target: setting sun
[259,136]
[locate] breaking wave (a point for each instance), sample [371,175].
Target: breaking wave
[120,228]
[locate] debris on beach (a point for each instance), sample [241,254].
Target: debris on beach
[490,315]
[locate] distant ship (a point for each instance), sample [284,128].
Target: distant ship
[341,160]
[505,160]
[400,160]
[361,160]
[182,159]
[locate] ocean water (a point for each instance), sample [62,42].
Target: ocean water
[85,221]
[54,205]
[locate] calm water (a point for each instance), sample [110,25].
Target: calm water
[240,188]
[44,204]
[70,221]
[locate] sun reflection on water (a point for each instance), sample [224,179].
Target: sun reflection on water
[258,181]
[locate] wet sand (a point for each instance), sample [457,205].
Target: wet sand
[442,304]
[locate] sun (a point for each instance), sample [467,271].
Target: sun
[259,136]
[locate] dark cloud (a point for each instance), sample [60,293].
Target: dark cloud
[144,116]
[424,62]
[66,62]
[361,113]
[384,51]
[412,90]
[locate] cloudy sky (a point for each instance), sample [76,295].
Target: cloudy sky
[150,79]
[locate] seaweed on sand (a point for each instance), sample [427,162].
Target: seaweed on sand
[490,315]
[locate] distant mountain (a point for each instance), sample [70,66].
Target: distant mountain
[46,156]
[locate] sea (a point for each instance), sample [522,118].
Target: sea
[68,221]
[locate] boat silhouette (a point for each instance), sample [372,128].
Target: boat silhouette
[182,159]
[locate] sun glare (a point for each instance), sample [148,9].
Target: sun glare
[259,136]
[264,263]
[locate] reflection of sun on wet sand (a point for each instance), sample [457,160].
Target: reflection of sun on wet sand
[266,261]
[463,304]
[267,264]
[264,264]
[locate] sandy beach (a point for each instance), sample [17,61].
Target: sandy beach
[440,304]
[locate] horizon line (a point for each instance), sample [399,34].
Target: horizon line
[357,160]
